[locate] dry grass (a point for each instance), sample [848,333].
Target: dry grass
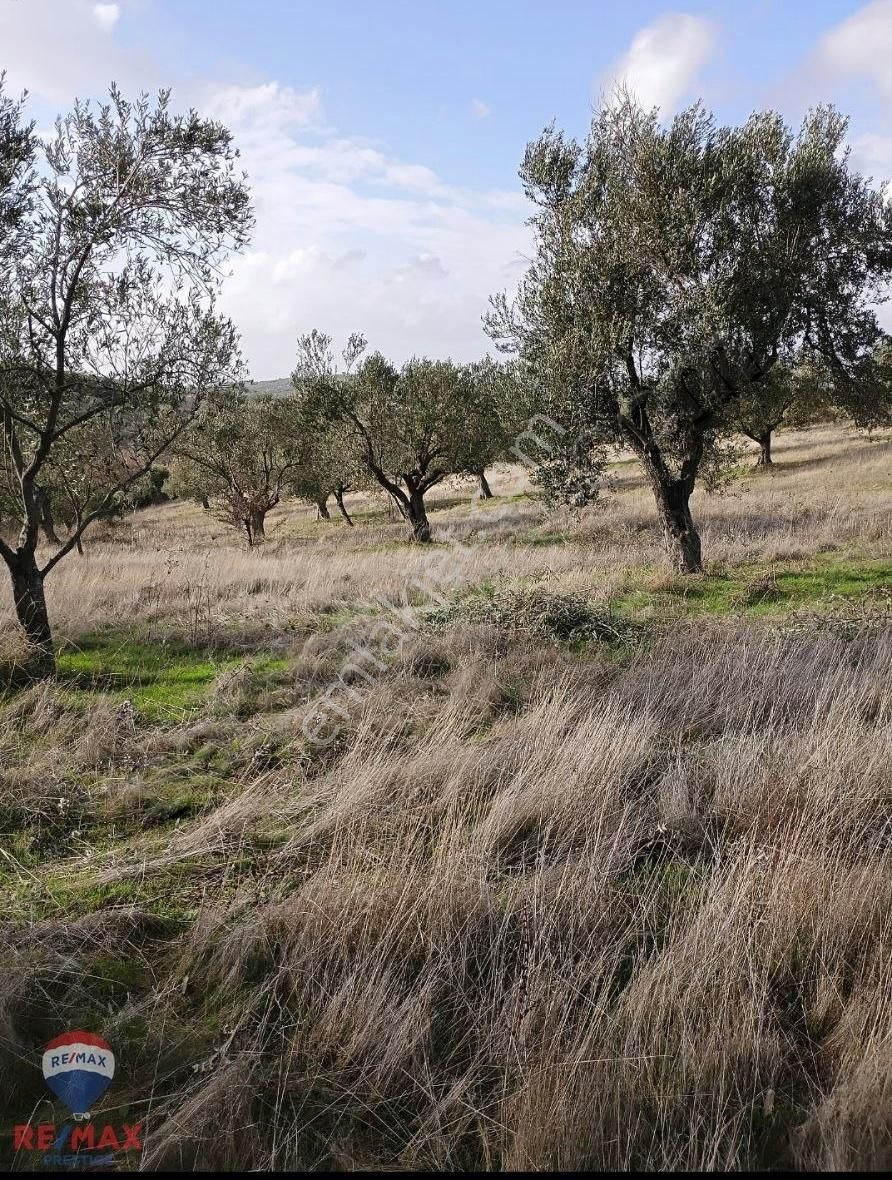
[830,490]
[539,906]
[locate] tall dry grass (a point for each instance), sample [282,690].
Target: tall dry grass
[628,909]
[640,919]
[831,489]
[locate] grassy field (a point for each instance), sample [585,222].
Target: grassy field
[514,851]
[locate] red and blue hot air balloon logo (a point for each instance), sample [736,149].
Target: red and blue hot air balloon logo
[78,1067]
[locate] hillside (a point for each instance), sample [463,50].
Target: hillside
[276,388]
[514,851]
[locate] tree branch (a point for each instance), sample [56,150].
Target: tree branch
[107,502]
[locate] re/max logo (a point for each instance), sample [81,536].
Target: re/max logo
[98,1059]
[43,1137]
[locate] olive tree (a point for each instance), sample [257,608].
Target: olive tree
[674,267]
[494,418]
[108,324]
[406,427]
[790,393]
[327,467]
[238,457]
[801,392]
[328,464]
[17,149]
[84,464]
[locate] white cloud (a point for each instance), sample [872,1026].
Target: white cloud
[872,154]
[665,59]
[56,51]
[861,46]
[106,16]
[348,258]
[423,265]
[480,109]
[350,238]
[265,108]
[859,49]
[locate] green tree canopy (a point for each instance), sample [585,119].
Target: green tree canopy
[674,267]
[238,457]
[790,393]
[408,428]
[329,464]
[109,335]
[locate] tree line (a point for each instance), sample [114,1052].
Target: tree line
[689,282]
[351,426]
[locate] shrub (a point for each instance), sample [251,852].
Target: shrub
[564,617]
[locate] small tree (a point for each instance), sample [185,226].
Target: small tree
[493,420]
[107,315]
[326,468]
[83,465]
[407,428]
[328,465]
[674,267]
[800,393]
[237,459]
[789,393]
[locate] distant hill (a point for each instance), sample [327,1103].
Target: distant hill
[275,388]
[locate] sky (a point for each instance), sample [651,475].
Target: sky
[382,137]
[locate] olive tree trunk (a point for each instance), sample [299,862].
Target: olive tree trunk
[765,459]
[322,512]
[679,531]
[258,526]
[47,523]
[672,494]
[339,496]
[78,524]
[485,489]
[417,514]
[30,607]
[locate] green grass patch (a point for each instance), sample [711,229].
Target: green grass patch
[173,893]
[757,590]
[163,681]
[170,794]
[335,617]
[546,538]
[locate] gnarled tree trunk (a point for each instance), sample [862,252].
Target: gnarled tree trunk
[764,441]
[78,523]
[339,496]
[672,493]
[421,529]
[322,512]
[30,606]
[47,524]
[485,490]
[679,531]
[258,525]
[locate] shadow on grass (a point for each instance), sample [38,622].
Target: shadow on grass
[15,675]
[862,450]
